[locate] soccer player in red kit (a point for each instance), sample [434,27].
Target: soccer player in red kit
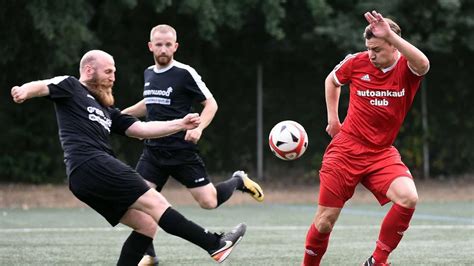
[383,82]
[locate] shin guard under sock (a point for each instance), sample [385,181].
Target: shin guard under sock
[151,250]
[133,249]
[315,246]
[176,224]
[393,226]
[226,189]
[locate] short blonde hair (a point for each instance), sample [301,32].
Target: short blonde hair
[163,28]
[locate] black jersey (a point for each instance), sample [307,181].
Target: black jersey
[170,94]
[84,125]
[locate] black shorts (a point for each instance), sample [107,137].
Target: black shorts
[107,185]
[186,166]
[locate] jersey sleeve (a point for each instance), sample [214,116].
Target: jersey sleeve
[120,122]
[196,86]
[412,79]
[343,71]
[60,87]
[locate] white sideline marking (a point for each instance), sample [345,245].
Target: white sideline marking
[361,227]
[71,229]
[260,228]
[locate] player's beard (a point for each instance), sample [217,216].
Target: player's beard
[163,60]
[101,90]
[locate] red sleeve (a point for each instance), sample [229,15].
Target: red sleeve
[412,80]
[343,71]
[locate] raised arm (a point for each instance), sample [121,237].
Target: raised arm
[136,110]
[332,92]
[417,60]
[30,90]
[158,129]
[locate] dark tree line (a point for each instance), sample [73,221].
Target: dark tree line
[296,42]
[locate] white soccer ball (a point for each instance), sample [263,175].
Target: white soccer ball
[288,140]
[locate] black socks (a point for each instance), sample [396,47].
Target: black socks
[151,250]
[173,222]
[226,189]
[133,249]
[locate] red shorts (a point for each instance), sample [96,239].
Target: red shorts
[347,162]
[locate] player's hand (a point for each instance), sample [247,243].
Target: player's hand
[333,128]
[193,135]
[19,94]
[379,27]
[191,121]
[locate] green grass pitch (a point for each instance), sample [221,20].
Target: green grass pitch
[440,234]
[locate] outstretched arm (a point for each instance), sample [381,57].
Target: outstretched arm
[207,114]
[136,110]
[158,129]
[29,90]
[417,60]
[333,92]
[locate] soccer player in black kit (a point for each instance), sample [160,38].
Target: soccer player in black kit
[170,90]
[86,117]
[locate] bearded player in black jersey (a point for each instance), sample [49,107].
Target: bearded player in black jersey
[86,117]
[170,90]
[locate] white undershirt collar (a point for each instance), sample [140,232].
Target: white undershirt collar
[161,70]
[385,70]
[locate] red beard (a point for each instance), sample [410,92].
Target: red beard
[101,92]
[163,60]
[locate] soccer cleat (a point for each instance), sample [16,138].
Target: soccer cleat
[148,260]
[227,242]
[371,262]
[250,186]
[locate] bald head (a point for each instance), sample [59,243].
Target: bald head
[93,58]
[97,70]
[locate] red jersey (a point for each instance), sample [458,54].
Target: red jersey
[379,98]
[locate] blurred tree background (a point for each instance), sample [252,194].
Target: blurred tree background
[297,43]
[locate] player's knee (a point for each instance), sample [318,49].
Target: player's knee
[148,227]
[208,203]
[412,200]
[324,224]
[141,222]
[152,203]
[408,200]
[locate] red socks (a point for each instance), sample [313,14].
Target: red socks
[315,246]
[393,226]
